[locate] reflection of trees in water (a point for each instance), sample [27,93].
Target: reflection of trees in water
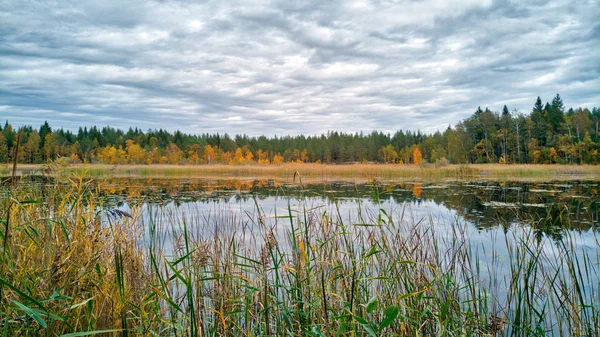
[489,205]
[547,207]
[486,205]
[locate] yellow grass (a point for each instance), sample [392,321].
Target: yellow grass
[351,172]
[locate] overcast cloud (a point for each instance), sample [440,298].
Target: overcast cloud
[291,67]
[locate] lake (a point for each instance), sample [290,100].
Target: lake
[266,255]
[482,205]
[492,219]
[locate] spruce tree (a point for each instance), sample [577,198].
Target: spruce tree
[539,122]
[556,114]
[539,107]
[557,104]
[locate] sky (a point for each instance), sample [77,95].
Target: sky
[291,67]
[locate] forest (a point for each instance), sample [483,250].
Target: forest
[548,134]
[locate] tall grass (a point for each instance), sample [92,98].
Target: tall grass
[356,172]
[72,264]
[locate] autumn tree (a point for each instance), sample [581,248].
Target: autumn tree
[388,154]
[277,159]
[224,156]
[108,155]
[580,121]
[248,156]
[50,145]
[194,154]
[417,156]
[74,151]
[263,157]
[32,147]
[209,154]
[238,157]
[174,154]
[135,153]
[304,156]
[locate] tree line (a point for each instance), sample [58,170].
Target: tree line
[548,134]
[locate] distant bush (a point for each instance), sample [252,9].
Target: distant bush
[64,161]
[442,162]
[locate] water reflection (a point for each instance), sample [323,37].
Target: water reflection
[482,204]
[548,207]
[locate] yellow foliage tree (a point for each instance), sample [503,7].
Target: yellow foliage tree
[417,156]
[108,155]
[174,154]
[209,154]
[304,156]
[135,153]
[238,157]
[248,156]
[263,157]
[388,154]
[121,155]
[194,154]
[50,146]
[277,159]
[154,156]
[295,156]
[193,157]
[224,157]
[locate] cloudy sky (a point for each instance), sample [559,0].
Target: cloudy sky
[291,67]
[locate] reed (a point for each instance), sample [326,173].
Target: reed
[75,266]
[355,172]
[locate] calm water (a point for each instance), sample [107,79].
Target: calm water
[550,209]
[489,216]
[486,213]
[481,205]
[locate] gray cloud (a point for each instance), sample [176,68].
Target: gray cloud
[291,67]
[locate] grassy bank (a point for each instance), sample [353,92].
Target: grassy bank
[71,264]
[354,172]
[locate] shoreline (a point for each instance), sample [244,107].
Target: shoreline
[309,172]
